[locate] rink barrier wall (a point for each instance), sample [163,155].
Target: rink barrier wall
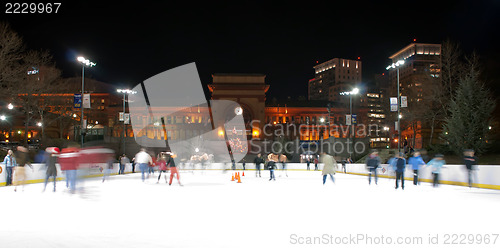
[487,176]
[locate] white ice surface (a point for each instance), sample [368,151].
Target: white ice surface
[212,211]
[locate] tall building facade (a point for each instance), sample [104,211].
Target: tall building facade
[332,77]
[422,64]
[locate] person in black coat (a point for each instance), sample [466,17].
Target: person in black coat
[271,166]
[400,170]
[50,163]
[258,161]
[470,162]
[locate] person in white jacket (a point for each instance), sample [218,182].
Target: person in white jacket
[143,159]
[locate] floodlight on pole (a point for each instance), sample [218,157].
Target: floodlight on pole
[397,65]
[354,91]
[84,62]
[127,92]
[10,106]
[3,118]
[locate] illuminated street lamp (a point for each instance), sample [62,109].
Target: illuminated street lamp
[39,124]
[126,92]
[10,106]
[354,91]
[392,66]
[84,62]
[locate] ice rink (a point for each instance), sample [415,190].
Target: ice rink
[212,211]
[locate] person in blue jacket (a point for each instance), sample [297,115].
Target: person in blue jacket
[400,162]
[437,163]
[416,162]
[10,162]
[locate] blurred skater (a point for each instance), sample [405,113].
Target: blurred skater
[258,161]
[372,163]
[143,159]
[308,162]
[400,163]
[162,166]
[316,164]
[416,162]
[151,168]
[243,163]
[283,160]
[69,160]
[437,164]
[173,170]
[470,162]
[329,167]
[50,163]
[10,163]
[343,161]
[20,170]
[124,160]
[108,168]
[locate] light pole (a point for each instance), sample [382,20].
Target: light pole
[354,91]
[124,92]
[84,62]
[397,65]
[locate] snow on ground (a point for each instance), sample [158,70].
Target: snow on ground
[211,211]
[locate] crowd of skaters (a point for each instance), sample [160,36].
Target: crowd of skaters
[70,160]
[399,164]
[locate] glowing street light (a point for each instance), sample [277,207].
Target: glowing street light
[127,92]
[84,62]
[3,118]
[392,66]
[10,106]
[354,91]
[39,124]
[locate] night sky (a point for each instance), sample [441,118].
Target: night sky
[135,40]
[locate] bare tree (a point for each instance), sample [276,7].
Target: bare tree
[11,54]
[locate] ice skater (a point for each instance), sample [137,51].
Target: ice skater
[343,165]
[69,159]
[372,163]
[308,162]
[400,163]
[108,168]
[173,170]
[258,161]
[271,166]
[50,163]
[437,163]
[316,164]
[243,163]
[10,163]
[416,162]
[20,170]
[470,162]
[123,162]
[283,160]
[162,166]
[329,167]
[143,159]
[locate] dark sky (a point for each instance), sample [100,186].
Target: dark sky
[134,40]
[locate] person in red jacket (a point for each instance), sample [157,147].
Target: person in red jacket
[162,165]
[69,160]
[173,170]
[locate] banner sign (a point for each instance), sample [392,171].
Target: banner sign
[77,101]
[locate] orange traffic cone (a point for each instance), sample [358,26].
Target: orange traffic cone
[239,179]
[243,173]
[237,175]
[232,177]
